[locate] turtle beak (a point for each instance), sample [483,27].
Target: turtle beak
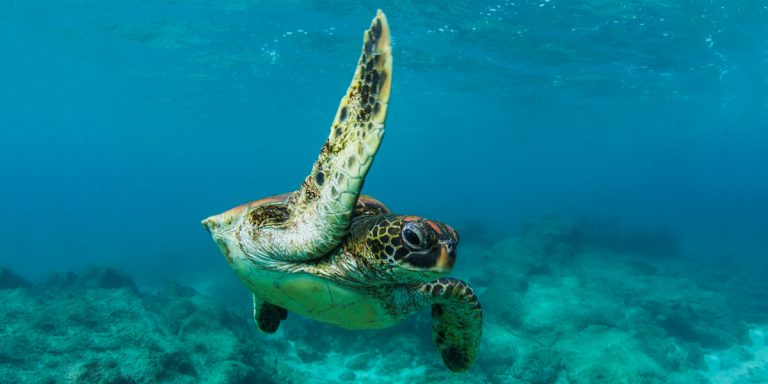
[448,240]
[447,256]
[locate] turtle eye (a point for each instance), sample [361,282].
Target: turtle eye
[414,237]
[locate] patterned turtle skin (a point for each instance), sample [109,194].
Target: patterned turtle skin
[328,253]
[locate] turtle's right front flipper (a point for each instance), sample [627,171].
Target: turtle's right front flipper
[457,321]
[322,208]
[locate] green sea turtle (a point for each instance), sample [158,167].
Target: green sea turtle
[328,253]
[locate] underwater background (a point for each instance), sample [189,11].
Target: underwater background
[604,162]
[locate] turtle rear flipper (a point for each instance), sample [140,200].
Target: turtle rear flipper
[267,316]
[457,321]
[322,208]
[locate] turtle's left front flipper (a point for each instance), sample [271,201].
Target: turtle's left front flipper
[457,321]
[322,208]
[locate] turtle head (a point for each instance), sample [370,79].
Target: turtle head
[414,246]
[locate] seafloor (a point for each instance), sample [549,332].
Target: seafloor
[566,301]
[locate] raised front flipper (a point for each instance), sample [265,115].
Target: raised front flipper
[267,316]
[322,208]
[310,222]
[457,321]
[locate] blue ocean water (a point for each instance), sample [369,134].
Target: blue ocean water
[123,124]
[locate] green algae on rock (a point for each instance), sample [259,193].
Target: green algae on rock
[10,280]
[84,328]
